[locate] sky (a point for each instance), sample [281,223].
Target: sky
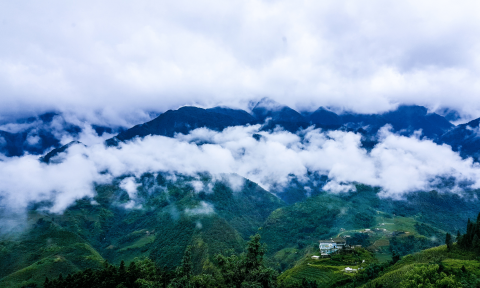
[118,60]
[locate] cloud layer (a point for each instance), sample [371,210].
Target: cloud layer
[397,164]
[117,59]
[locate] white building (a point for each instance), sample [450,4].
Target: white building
[331,245]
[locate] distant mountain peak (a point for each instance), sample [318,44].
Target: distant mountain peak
[449,114]
[411,109]
[49,157]
[325,118]
[322,108]
[269,104]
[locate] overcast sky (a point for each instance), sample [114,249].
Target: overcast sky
[118,58]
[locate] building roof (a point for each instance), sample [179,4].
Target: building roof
[333,240]
[327,241]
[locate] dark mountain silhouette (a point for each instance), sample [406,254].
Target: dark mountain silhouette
[48,158]
[405,120]
[184,120]
[324,118]
[35,137]
[411,118]
[238,114]
[464,138]
[278,115]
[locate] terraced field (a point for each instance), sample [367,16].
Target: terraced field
[328,272]
[325,276]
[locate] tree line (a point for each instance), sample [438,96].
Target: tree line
[246,270]
[469,240]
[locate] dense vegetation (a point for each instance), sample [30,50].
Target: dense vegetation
[471,239]
[451,265]
[244,270]
[169,216]
[170,213]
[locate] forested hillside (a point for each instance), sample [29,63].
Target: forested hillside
[167,213]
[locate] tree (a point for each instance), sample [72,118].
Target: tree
[132,274]
[476,243]
[308,284]
[187,263]
[428,276]
[184,271]
[47,283]
[395,257]
[449,241]
[122,272]
[255,252]
[248,269]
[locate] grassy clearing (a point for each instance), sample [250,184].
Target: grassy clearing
[328,272]
[383,257]
[324,275]
[139,243]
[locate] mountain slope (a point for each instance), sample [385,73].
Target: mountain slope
[34,134]
[165,215]
[46,250]
[239,115]
[451,262]
[404,120]
[50,156]
[183,121]
[278,114]
[464,138]
[324,118]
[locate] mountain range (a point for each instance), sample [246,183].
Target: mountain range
[169,211]
[405,120]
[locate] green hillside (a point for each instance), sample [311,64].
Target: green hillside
[328,272]
[463,265]
[45,251]
[168,212]
[356,217]
[168,215]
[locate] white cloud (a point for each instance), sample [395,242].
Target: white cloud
[198,186]
[25,179]
[397,164]
[17,127]
[116,59]
[33,140]
[203,209]
[129,184]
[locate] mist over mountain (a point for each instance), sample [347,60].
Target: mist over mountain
[464,139]
[401,151]
[212,177]
[35,134]
[163,143]
[405,120]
